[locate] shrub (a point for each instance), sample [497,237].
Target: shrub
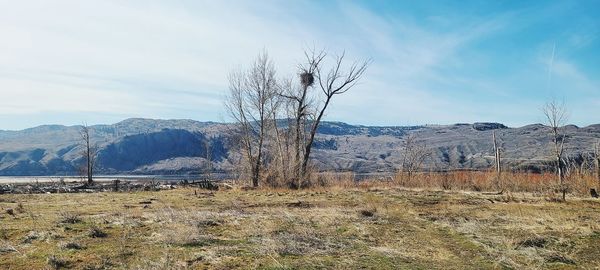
[368,212]
[70,245]
[95,232]
[69,217]
[56,262]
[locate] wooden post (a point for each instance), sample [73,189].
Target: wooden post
[116,185]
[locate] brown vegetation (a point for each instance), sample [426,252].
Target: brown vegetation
[349,225]
[539,183]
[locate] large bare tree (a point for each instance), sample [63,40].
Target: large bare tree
[88,153]
[556,117]
[334,80]
[331,78]
[300,102]
[250,104]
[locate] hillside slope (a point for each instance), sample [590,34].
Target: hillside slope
[147,146]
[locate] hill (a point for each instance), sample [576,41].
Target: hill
[148,146]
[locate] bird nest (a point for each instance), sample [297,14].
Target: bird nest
[307,78]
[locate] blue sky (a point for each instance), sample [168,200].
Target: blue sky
[434,62]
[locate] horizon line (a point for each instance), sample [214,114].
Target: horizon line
[328,121]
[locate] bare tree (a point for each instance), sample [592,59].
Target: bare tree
[209,163]
[89,152]
[597,162]
[249,104]
[299,98]
[256,99]
[497,162]
[556,117]
[414,155]
[332,81]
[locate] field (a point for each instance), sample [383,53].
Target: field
[339,228]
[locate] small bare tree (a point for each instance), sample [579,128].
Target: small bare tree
[498,162]
[414,154]
[89,152]
[208,168]
[556,117]
[249,104]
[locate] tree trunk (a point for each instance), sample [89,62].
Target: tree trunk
[597,161]
[598,171]
[498,164]
[561,177]
[300,113]
[311,138]
[89,162]
[297,167]
[279,149]
[256,171]
[558,150]
[255,174]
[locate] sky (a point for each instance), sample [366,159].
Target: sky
[433,62]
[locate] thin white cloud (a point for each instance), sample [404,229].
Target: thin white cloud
[171,59]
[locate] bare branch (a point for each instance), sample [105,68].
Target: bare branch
[251,102]
[556,117]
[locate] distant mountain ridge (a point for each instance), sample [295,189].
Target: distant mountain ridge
[149,146]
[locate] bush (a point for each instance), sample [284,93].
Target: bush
[95,232]
[368,212]
[56,263]
[70,245]
[69,217]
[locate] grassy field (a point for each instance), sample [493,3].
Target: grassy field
[368,228]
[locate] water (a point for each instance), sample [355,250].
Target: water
[160,178]
[108,178]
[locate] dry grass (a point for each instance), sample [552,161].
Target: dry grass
[373,226]
[538,183]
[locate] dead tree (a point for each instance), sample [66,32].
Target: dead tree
[209,163]
[299,98]
[206,174]
[414,155]
[332,81]
[248,103]
[309,108]
[497,162]
[597,162]
[556,117]
[89,153]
